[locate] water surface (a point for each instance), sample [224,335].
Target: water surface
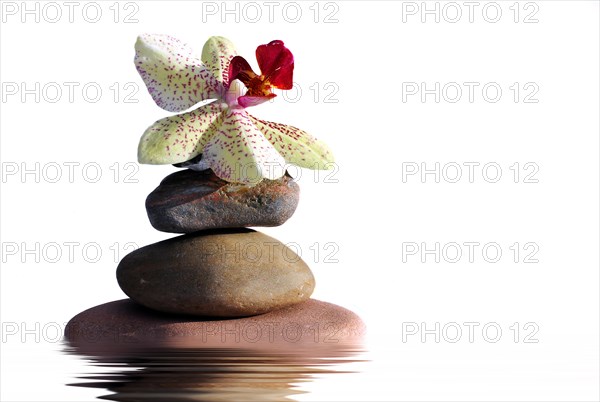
[210,374]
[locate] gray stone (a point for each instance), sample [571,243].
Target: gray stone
[188,201]
[220,273]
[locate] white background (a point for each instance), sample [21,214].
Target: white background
[369,55]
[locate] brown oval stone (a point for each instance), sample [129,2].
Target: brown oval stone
[188,201]
[221,273]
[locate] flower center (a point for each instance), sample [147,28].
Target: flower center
[257,85]
[234,91]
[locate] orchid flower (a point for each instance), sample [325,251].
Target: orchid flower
[237,146]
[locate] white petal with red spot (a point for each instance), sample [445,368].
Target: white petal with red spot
[296,145]
[238,152]
[179,138]
[175,77]
[216,54]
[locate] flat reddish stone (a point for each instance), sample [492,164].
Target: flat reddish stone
[188,201]
[123,324]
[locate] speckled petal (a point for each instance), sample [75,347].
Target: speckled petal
[175,77]
[295,145]
[179,138]
[216,55]
[238,152]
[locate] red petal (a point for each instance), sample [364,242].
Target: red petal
[247,101]
[276,63]
[239,65]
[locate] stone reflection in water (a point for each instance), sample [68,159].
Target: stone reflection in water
[202,374]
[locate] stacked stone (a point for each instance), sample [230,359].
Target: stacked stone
[219,267]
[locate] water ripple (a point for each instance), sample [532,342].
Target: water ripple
[210,374]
